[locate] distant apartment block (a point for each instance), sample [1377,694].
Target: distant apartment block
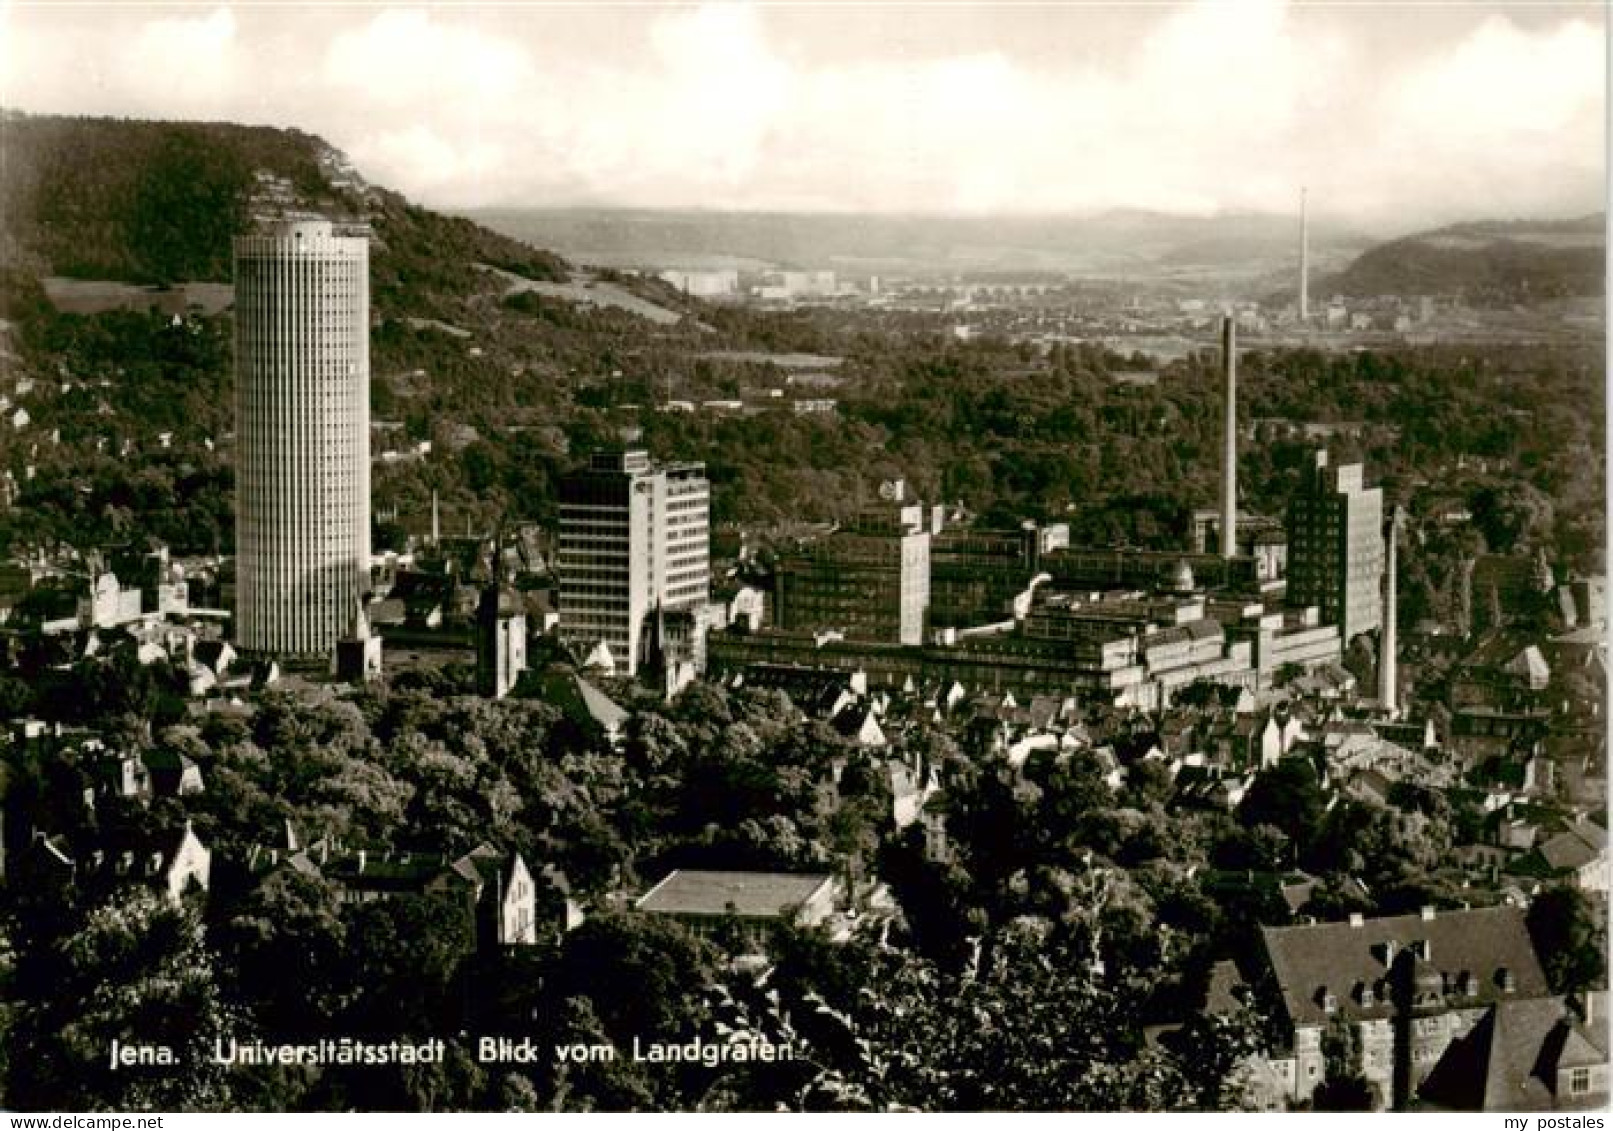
[703,284]
[634,538]
[782,286]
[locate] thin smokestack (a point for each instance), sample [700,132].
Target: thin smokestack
[1387,675]
[1304,258]
[1229,459]
[436,521]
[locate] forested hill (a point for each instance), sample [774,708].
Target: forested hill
[158,202]
[135,413]
[1486,262]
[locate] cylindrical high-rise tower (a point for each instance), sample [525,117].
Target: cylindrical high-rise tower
[1229,440]
[302,411]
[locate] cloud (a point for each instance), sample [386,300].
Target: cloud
[408,58]
[1507,123]
[1503,83]
[178,66]
[1210,105]
[189,63]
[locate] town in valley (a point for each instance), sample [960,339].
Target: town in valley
[554,660]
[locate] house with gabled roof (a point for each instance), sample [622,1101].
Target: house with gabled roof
[114,773]
[496,886]
[171,860]
[860,724]
[821,693]
[582,702]
[1409,985]
[1530,1055]
[913,783]
[502,892]
[173,774]
[1577,854]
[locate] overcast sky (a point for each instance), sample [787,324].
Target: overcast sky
[1394,114]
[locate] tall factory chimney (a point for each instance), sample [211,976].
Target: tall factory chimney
[1304,259]
[1229,457]
[1387,676]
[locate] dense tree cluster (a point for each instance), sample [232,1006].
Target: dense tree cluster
[1052,936]
[1028,1023]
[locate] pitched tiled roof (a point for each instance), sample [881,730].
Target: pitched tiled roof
[1226,990]
[579,698]
[1510,1058]
[1576,846]
[1531,665]
[1341,961]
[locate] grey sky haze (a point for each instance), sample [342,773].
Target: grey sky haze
[1393,114]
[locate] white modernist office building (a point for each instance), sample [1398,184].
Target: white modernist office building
[302,403]
[634,538]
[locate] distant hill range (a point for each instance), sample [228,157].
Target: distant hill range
[1245,251]
[157,203]
[1485,261]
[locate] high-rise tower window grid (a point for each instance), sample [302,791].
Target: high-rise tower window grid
[633,537]
[302,358]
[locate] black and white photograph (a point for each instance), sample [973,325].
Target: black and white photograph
[814,557]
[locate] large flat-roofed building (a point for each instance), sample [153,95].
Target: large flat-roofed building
[869,581]
[1336,549]
[1127,568]
[1293,638]
[975,575]
[302,401]
[635,537]
[694,893]
[756,903]
[1127,650]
